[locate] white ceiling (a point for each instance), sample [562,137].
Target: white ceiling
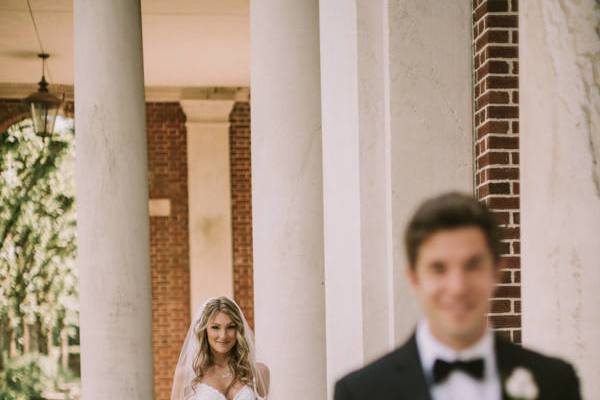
[186,42]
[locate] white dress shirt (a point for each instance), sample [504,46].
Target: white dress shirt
[459,385]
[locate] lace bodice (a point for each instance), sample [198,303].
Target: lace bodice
[207,392]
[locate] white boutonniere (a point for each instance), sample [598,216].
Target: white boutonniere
[520,385]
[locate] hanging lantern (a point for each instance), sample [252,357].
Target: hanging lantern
[43,105]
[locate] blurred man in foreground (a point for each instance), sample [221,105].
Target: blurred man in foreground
[452,244]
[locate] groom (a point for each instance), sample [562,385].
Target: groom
[452,244]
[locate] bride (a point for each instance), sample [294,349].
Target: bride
[217,360]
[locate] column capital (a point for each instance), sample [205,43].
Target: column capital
[207,113]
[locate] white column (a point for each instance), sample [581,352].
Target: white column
[560,182]
[430,118]
[287,196]
[356,185]
[112,202]
[209,199]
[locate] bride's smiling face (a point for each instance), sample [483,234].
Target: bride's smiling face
[222,333]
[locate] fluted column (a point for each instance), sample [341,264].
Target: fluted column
[112,201]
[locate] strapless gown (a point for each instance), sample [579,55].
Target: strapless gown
[207,392]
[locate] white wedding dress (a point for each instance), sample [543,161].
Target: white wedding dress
[207,392]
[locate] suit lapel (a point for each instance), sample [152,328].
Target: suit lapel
[507,359]
[410,372]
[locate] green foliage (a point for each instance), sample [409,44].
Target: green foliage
[31,375]
[38,281]
[27,376]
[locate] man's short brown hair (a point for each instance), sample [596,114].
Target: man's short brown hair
[450,211]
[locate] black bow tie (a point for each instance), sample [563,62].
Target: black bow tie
[441,369]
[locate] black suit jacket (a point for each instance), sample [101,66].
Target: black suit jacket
[399,375]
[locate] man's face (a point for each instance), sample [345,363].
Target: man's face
[454,278]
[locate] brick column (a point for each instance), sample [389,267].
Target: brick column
[169,243]
[241,208]
[496,109]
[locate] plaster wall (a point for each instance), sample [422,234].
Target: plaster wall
[430,119]
[560,180]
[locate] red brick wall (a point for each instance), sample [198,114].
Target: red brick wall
[496,93]
[11,112]
[241,208]
[169,240]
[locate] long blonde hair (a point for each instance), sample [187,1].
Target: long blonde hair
[239,355]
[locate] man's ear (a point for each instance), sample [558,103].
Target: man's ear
[411,275]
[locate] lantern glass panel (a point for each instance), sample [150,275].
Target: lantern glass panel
[44,116]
